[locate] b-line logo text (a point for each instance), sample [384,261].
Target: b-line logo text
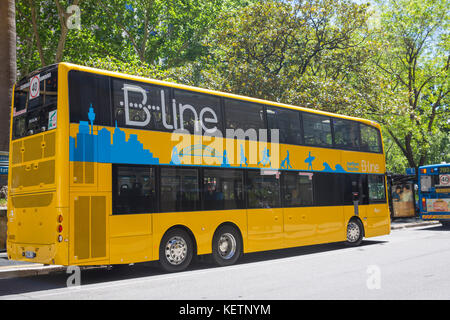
[227,309]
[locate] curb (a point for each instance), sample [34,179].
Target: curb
[27,270]
[414,224]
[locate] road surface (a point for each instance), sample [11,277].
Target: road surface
[411,263]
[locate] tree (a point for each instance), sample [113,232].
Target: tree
[413,64]
[388,62]
[8,67]
[40,22]
[297,52]
[159,32]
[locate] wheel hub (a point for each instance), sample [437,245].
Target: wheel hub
[176,250]
[353,232]
[227,246]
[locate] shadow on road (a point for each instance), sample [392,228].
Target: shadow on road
[58,280]
[299,251]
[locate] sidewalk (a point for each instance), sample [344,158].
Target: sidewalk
[14,269]
[400,223]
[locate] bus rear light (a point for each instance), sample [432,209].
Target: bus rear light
[60,238]
[423,170]
[424,204]
[60,228]
[60,218]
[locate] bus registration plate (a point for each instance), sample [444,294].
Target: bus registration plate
[30,254]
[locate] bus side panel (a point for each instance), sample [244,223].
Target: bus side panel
[130,238]
[329,223]
[310,225]
[299,229]
[265,229]
[378,220]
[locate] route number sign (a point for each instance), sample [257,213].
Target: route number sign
[35,87]
[444,180]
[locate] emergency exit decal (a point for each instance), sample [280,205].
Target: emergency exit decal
[52,119]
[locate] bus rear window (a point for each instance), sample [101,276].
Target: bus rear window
[428,181]
[35,99]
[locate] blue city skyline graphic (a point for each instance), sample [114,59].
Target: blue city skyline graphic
[88,147]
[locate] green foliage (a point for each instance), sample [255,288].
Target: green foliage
[168,33]
[388,62]
[133,67]
[413,60]
[347,58]
[291,51]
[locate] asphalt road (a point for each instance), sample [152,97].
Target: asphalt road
[407,264]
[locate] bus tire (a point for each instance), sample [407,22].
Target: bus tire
[176,250]
[355,233]
[226,245]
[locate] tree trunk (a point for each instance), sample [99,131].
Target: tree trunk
[7,66]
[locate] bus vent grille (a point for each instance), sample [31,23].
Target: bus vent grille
[90,227]
[31,201]
[83,172]
[16,152]
[33,174]
[32,163]
[32,149]
[49,145]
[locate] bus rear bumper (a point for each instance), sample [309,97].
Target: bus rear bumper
[35,253]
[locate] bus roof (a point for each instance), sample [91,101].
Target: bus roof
[435,165]
[214,92]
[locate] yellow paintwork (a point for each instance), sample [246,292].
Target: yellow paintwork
[136,238]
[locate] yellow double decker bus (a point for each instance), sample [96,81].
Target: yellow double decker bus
[108,168]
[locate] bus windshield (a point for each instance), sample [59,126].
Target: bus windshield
[35,99]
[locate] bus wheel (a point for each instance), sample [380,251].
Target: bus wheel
[355,233]
[226,246]
[176,250]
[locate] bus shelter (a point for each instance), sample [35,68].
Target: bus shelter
[403,195]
